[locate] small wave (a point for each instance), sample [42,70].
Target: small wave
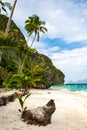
[77,88]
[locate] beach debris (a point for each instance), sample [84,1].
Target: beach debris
[4,100]
[41,115]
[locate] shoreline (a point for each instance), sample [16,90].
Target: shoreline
[70,114]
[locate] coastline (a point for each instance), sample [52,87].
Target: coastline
[70,114]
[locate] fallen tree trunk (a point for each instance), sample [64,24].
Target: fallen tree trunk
[40,115]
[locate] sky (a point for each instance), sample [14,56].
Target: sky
[65,43]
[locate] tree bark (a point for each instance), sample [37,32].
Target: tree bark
[33,41]
[10,18]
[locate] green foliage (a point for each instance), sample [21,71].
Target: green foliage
[3,6]
[14,32]
[8,53]
[29,68]
[23,67]
[3,73]
[35,25]
[8,80]
[22,102]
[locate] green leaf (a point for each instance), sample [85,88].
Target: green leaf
[27,96]
[21,102]
[1,3]
[8,5]
[19,110]
[25,108]
[4,9]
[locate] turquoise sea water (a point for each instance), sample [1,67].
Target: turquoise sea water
[72,87]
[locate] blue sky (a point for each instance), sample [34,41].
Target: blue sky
[66,40]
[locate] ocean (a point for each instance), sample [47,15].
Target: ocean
[71,87]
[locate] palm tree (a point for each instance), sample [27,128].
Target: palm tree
[34,25]
[3,5]
[10,18]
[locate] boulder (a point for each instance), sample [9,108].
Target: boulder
[40,115]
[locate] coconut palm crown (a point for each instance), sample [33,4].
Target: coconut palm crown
[34,25]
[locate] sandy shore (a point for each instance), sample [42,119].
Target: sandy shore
[70,114]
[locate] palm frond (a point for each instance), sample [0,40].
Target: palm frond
[34,25]
[7,4]
[4,5]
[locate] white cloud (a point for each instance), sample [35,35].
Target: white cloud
[45,49]
[64,18]
[72,63]
[75,59]
[68,21]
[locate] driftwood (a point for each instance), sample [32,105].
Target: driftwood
[40,115]
[4,100]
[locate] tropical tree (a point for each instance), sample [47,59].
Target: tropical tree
[10,18]
[13,65]
[3,6]
[34,25]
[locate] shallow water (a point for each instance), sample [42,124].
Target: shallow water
[72,87]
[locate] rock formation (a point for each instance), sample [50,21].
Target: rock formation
[40,115]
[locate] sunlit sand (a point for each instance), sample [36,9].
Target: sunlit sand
[70,114]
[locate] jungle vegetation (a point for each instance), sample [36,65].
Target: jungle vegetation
[20,65]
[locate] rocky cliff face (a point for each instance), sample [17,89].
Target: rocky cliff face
[50,75]
[37,65]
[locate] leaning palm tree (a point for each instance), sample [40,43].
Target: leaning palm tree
[34,25]
[3,6]
[10,18]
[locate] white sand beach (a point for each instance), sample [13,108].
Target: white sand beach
[70,114]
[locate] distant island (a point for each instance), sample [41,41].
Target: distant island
[84,81]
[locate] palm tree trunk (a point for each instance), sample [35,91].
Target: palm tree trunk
[27,39]
[0,56]
[10,18]
[33,41]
